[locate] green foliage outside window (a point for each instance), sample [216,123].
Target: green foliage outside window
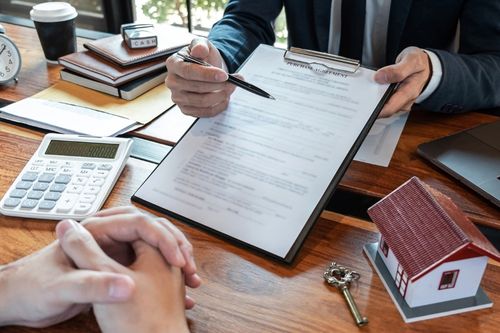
[204,12]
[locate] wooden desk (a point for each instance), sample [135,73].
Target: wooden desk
[362,178]
[242,291]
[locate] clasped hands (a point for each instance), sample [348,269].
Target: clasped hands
[132,267]
[203,92]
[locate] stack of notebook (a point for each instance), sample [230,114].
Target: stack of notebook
[110,66]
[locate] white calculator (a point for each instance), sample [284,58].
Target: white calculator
[69,176]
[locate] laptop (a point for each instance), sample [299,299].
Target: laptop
[471,156]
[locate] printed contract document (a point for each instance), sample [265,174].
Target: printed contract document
[261,172]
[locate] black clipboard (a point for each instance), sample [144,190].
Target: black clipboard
[328,63]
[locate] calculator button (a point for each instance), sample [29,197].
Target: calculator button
[79,180]
[36,168]
[62,179]
[38,161]
[67,164]
[75,189]
[96,182]
[46,205]
[30,176]
[66,171]
[58,187]
[17,194]
[90,166]
[101,174]
[52,163]
[46,177]
[40,186]
[54,196]
[37,195]
[106,167]
[22,185]
[51,169]
[84,173]
[67,203]
[11,202]
[87,198]
[29,203]
[91,190]
[82,208]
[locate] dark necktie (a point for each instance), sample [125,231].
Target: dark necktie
[352,28]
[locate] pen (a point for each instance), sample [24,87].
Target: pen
[231,78]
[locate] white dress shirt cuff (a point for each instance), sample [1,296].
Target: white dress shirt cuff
[437,74]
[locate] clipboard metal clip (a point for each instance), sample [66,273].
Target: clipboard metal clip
[324,61]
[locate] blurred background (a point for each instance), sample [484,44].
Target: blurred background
[108,15]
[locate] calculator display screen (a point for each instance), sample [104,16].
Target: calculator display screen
[82,149]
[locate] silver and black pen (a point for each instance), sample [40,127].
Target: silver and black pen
[230,77]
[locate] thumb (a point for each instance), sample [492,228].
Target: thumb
[83,286]
[200,48]
[79,245]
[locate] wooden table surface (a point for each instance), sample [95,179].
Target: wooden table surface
[243,291]
[361,178]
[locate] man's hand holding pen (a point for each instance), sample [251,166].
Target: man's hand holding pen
[199,91]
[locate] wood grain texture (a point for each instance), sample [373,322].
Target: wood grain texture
[423,127]
[36,74]
[243,291]
[363,178]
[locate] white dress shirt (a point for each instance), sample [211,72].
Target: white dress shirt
[375,39]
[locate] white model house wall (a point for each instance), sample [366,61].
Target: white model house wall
[426,290]
[390,261]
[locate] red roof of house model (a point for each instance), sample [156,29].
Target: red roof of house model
[423,228]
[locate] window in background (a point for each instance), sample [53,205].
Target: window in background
[96,15]
[90,12]
[204,13]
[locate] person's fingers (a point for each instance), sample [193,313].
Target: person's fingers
[84,286]
[202,48]
[209,111]
[131,227]
[192,280]
[116,211]
[411,61]
[177,83]
[79,245]
[199,48]
[190,277]
[195,72]
[405,95]
[201,100]
[189,302]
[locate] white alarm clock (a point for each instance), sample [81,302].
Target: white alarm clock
[10,58]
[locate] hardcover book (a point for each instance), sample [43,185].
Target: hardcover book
[116,50]
[127,91]
[92,66]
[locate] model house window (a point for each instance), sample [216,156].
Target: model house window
[448,280]
[384,247]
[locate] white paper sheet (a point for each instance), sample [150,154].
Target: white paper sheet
[65,118]
[257,171]
[382,140]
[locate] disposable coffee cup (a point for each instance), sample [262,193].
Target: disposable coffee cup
[55,25]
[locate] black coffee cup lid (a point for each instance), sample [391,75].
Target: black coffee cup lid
[53,12]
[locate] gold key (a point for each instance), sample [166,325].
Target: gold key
[340,277]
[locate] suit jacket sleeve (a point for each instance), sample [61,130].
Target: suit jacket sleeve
[245,25]
[471,77]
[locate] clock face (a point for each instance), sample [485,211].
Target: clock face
[10,59]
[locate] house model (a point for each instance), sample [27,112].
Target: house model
[433,253]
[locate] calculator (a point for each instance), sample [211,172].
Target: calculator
[69,176]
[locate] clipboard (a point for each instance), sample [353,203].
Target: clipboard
[161,190]
[322,61]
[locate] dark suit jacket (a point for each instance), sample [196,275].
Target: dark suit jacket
[471,78]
